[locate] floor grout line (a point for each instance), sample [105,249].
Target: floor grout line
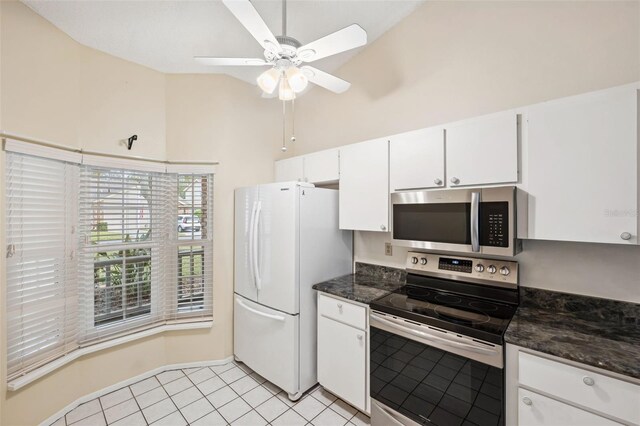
[280,395]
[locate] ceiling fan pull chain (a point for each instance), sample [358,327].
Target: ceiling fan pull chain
[284,121]
[293,120]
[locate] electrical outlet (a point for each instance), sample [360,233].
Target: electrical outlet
[388,251]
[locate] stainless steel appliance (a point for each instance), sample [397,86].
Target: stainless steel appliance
[436,345]
[480,220]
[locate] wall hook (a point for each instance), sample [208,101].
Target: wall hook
[130,141]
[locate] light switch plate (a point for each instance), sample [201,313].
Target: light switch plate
[388,251]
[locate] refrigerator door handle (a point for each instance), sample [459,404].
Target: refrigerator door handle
[257,312]
[256,257]
[251,222]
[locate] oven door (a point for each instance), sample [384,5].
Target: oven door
[424,375]
[459,220]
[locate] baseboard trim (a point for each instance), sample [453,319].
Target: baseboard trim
[128,382]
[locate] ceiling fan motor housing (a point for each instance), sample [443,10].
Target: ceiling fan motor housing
[289,51]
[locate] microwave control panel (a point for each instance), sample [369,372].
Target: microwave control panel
[494,228]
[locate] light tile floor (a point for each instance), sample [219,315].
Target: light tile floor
[216,395]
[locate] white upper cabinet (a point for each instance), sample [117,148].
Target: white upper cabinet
[318,167]
[290,169]
[483,150]
[582,174]
[322,166]
[417,160]
[364,186]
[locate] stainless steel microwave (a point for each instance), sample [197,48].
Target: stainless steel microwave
[479,220]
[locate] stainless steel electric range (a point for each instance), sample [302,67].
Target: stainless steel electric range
[436,347]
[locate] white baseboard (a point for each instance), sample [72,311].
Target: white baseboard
[131,381]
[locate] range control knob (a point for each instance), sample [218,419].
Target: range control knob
[414,260]
[491,269]
[423,260]
[504,271]
[479,267]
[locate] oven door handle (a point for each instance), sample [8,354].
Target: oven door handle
[431,337]
[475,218]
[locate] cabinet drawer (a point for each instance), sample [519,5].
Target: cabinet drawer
[538,410]
[586,388]
[342,311]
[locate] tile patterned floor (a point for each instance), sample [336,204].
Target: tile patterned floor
[216,395]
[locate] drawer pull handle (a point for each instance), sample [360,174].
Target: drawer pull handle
[527,401]
[588,381]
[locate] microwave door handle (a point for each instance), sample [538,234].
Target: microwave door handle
[474,218]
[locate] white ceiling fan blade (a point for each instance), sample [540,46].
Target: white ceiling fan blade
[345,39]
[326,80]
[236,62]
[253,22]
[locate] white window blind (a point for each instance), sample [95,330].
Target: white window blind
[41,298]
[191,259]
[99,251]
[146,250]
[122,265]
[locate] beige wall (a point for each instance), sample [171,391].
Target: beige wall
[453,60]
[52,88]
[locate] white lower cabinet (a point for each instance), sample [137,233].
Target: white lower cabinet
[343,348]
[538,410]
[546,390]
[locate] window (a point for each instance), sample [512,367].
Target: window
[41,296]
[99,249]
[193,244]
[122,221]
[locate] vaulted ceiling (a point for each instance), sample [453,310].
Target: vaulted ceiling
[166,35]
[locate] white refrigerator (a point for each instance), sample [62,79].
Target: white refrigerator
[286,240]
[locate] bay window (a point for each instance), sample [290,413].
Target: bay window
[100,250]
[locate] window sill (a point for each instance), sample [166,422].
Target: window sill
[34,375]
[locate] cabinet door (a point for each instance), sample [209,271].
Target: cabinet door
[483,150]
[417,160]
[322,166]
[290,170]
[342,361]
[364,186]
[582,168]
[538,410]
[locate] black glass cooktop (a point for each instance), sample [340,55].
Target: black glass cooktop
[471,315]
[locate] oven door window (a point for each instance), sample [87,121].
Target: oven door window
[432,386]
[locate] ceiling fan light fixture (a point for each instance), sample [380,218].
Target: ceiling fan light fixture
[286,92]
[268,80]
[296,79]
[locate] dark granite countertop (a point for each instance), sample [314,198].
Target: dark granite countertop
[597,332]
[370,282]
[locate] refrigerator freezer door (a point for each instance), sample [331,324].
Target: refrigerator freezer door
[277,247]
[267,341]
[246,201]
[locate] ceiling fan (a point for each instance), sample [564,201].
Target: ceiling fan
[285,54]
